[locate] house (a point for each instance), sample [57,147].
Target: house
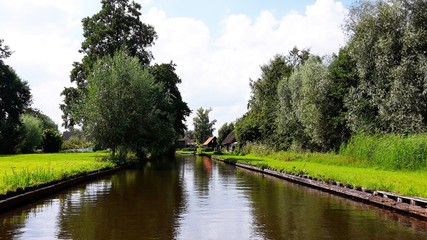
[186,142]
[67,135]
[210,142]
[229,143]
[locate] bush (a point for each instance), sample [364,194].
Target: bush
[75,143]
[32,134]
[52,141]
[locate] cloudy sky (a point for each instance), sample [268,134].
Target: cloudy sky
[217,45]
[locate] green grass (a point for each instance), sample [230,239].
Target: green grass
[344,169]
[23,170]
[389,151]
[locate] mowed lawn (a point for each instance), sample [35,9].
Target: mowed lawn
[24,170]
[338,168]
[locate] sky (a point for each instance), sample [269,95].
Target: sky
[218,46]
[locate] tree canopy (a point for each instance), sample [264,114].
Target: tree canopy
[375,84]
[203,127]
[120,111]
[116,26]
[15,97]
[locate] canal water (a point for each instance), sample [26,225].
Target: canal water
[196,198]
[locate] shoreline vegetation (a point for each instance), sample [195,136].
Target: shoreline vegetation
[21,171]
[390,163]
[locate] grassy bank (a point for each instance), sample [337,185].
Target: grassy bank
[342,168]
[19,171]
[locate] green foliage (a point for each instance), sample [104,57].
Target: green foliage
[15,98]
[165,76]
[120,111]
[32,134]
[224,130]
[115,26]
[203,127]
[303,106]
[388,42]
[258,124]
[51,141]
[391,151]
[76,143]
[46,121]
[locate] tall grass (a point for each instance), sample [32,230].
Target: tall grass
[390,151]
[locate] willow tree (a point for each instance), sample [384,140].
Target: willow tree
[388,42]
[120,111]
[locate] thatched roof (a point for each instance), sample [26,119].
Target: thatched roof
[231,138]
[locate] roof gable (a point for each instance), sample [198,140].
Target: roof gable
[231,138]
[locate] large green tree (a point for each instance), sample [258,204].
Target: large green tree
[121,110]
[258,124]
[117,25]
[304,104]
[388,42]
[174,109]
[15,97]
[203,127]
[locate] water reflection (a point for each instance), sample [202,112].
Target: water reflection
[285,210]
[196,198]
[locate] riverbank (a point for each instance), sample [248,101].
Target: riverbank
[18,172]
[333,167]
[407,205]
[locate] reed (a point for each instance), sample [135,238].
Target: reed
[390,151]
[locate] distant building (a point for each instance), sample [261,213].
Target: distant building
[210,142]
[67,135]
[186,142]
[229,143]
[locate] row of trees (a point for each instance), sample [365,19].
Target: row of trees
[22,129]
[121,101]
[377,83]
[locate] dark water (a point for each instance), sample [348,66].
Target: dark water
[196,198]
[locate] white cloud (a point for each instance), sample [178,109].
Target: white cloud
[45,37]
[216,70]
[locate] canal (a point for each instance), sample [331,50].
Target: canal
[196,198]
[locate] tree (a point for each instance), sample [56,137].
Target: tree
[51,141]
[15,97]
[47,122]
[224,130]
[165,76]
[259,123]
[303,106]
[342,73]
[117,25]
[203,127]
[4,51]
[121,109]
[388,43]
[32,134]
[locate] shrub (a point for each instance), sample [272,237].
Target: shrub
[52,141]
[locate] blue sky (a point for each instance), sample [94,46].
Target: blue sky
[217,45]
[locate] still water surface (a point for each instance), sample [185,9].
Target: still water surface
[196,198]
